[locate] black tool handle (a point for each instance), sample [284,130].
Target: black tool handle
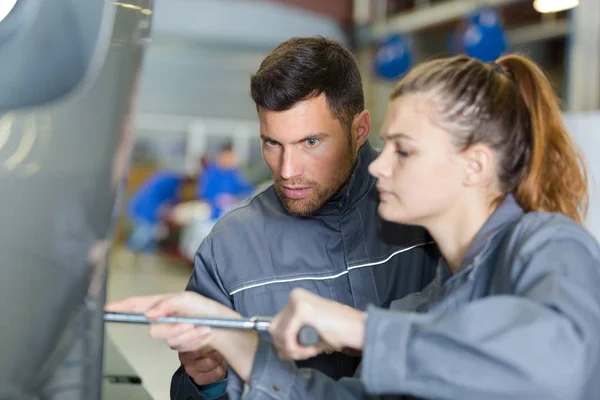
[308,336]
[127,379]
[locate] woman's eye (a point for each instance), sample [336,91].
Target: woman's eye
[401,151]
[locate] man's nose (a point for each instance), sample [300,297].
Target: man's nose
[291,166]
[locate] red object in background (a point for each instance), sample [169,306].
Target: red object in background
[339,10]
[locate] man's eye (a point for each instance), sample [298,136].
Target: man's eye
[271,143]
[312,142]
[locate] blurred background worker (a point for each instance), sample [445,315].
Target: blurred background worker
[145,206]
[223,183]
[220,186]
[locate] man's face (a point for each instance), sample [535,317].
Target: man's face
[310,154]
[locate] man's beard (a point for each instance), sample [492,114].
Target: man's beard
[319,193]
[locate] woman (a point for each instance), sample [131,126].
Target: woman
[477,154]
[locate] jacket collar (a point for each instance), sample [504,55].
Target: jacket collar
[358,186]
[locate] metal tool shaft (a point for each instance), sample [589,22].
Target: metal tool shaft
[307,336]
[211,322]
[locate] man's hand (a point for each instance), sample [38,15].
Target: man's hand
[192,341]
[204,367]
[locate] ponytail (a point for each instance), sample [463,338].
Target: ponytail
[555,179]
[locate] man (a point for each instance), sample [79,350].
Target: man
[316,226]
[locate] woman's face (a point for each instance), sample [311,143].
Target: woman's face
[420,172]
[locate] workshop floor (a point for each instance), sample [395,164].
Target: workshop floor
[131,275]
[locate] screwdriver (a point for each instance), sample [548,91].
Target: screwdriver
[308,336]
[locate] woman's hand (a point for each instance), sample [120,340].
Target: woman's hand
[339,326]
[181,337]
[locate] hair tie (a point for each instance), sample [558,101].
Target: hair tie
[498,67]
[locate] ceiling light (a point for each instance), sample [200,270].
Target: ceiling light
[552,6]
[6,7]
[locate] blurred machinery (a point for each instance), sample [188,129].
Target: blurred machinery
[68,80]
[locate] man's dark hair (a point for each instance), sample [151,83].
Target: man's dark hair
[302,68]
[227,146]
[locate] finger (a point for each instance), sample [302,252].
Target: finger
[194,344]
[276,320]
[300,293]
[168,306]
[185,303]
[275,327]
[190,356]
[204,378]
[214,355]
[138,304]
[206,364]
[189,338]
[278,325]
[292,348]
[323,347]
[169,331]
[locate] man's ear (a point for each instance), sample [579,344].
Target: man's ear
[479,167]
[361,126]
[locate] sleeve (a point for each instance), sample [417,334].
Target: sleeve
[131,209]
[205,280]
[207,185]
[540,343]
[274,378]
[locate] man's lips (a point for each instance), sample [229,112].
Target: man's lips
[296,192]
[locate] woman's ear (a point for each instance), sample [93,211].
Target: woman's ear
[479,167]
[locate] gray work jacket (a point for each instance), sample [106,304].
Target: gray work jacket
[521,320]
[258,253]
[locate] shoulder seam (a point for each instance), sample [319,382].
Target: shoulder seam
[244,204]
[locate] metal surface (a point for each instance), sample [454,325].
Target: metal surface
[248,324]
[307,336]
[67,83]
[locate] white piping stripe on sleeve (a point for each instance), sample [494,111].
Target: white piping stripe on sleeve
[323,278]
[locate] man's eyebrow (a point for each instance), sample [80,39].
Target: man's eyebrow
[266,137]
[314,135]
